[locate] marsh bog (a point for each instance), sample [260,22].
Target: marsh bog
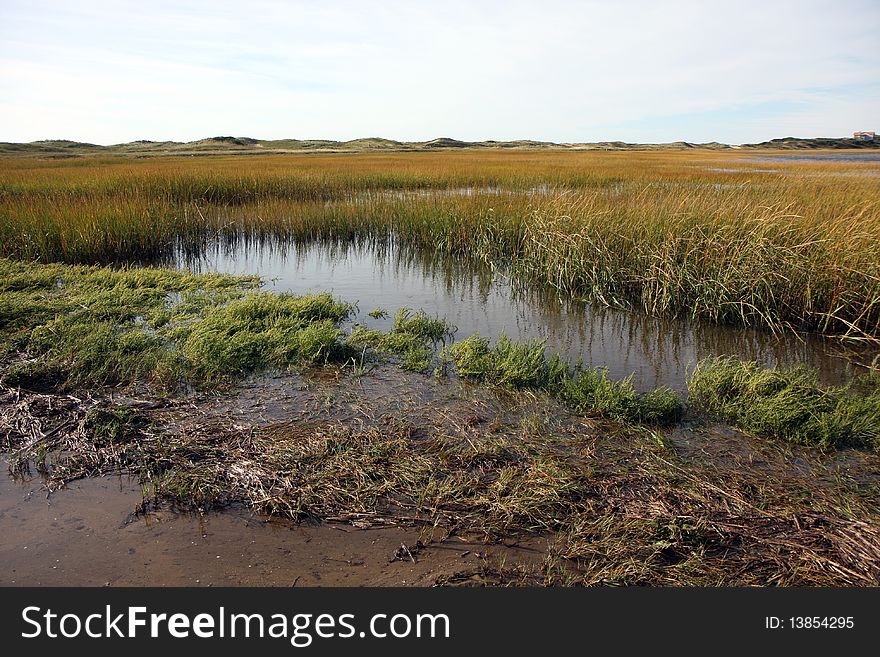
[441,368]
[477,298]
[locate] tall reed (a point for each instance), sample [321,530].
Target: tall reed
[781,245]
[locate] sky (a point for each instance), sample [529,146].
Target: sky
[638,71]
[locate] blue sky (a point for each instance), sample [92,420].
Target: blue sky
[109,72]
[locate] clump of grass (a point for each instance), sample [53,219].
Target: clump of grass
[789,403]
[422,325]
[412,338]
[589,390]
[263,330]
[101,326]
[92,351]
[659,406]
[586,390]
[507,363]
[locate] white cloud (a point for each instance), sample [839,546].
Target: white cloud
[566,71]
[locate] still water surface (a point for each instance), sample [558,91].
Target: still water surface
[817,157]
[476,299]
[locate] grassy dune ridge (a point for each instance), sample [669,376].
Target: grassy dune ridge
[780,245]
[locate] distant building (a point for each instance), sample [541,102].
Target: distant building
[864,136]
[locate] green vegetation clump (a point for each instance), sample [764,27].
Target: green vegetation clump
[262,330]
[82,325]
[422,325]
[412,338]
[590,390]
[508,363]
[789,403]
[586,390]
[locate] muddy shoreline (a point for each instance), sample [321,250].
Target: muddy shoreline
[696,504]
[88,535]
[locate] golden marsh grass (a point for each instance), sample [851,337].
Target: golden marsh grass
[702,234]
